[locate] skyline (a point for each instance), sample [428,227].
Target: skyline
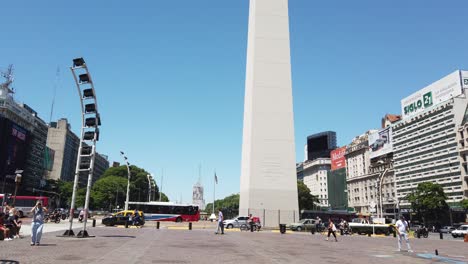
[193,120]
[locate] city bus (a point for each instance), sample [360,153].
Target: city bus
[167,211]
[24,204]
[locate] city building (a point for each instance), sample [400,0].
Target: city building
[316,178]
[300,171]
[22,137]
[429,141]
[197,196]
[357,167]
[320,145]
[37,156]
[101,164]
[65,144]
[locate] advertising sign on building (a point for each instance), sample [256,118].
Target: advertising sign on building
[338,159]
[464,75]
[433,94]
[380,142]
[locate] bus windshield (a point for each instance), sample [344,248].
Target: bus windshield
[165,211]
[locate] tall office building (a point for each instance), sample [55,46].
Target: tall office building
[65,145]
[316,178]
[427,143]
[320,145]
[22,141]
[268,185]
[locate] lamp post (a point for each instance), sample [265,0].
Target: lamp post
[91,121]
[150,186]
[17,181]
[128,180]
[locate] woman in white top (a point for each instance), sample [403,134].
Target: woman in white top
[331,229]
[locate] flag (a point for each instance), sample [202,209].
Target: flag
[216,179]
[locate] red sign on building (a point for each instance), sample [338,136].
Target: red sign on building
[338,159]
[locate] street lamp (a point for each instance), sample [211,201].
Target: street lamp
[17,181]
[128,180]
[91,120]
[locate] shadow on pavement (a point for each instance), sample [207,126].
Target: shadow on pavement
[6,261]
[119,236]
[46,245]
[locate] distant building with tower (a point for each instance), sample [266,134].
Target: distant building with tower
[197,197]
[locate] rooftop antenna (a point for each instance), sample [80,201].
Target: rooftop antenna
[57,78]
[8,75]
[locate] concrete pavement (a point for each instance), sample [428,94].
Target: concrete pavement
[201,245]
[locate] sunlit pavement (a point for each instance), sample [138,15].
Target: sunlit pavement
[201,245]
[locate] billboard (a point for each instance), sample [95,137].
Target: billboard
[338,159]
[464,75]
[433,94]
[380,142]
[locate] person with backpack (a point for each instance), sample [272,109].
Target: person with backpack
[402,229]
[331,229]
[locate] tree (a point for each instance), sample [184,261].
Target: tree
[428,201]
[164,197]
[464,204]
[109,192]
[138,181]
[229,205]
[307,201]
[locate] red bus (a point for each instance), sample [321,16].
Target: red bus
[167,211]
[24,204]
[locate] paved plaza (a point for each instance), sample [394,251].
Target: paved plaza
[176,244]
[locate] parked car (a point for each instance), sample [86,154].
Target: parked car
[304,224]
[120,218]
[235,222]
[460,232]
[447,229]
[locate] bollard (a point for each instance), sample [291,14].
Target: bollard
[190,226]
[466,238]
[341,231]
[394,233]
[282,228]
[157,225]
[418,234]
[437,252]
[441,235]
[369,234]
[251,227]
[312,230]
[126,224]
[94,222]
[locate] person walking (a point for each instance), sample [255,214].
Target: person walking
[220,223]
[331,229]
[402,229]
[38,223]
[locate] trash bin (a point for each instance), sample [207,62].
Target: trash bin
[282,228]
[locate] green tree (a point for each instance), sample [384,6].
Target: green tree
[138,181]
[109,192]
[164,197]
[229,205]
[428,200]
[307,201]
[464,204]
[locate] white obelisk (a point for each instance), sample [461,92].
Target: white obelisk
[268,185]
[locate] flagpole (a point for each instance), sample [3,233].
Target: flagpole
[214,192]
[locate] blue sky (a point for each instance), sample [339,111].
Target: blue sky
[169,75]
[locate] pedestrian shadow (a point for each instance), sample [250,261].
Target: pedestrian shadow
[6,261]
[46,245]
[119,236]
